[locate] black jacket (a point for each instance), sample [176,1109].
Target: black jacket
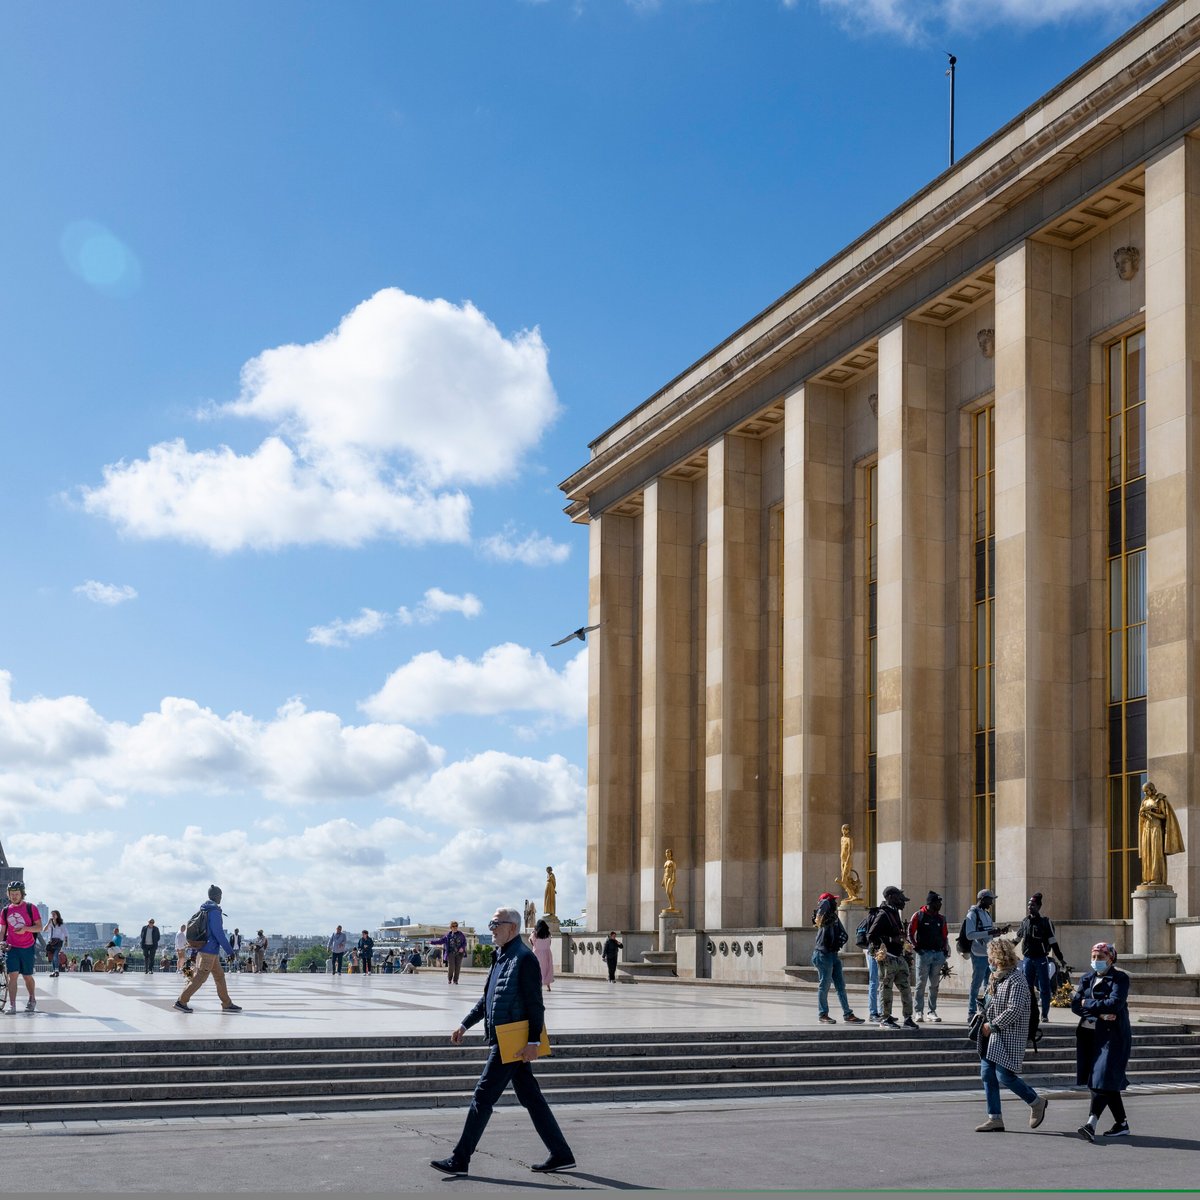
[1102,1053]
[518,992]
[1037,933]
[831,933]
[154,933]
[612,948]
[887,930]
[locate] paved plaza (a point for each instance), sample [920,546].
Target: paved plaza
[135,1005]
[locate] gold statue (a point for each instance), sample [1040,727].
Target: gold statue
[849,881]
[668,882]
[1158,835]
[551,890]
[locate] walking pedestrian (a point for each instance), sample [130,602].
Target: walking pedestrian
[1036,935]
[1003,1032]
[543,952]
[980,929]
[611,951]
[1103,1039]
[149,943]
[56,937]
[337,947]
[208,961]
[181,947]
[930,938]
[455,942]
[85,963]
[20,923]
[366,948]
[886,937]
[830,938]
[513,993]
[235,945]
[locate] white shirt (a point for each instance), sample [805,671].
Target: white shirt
[181,940]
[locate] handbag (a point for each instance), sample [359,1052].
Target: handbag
[975,1035]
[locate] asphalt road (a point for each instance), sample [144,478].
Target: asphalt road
[913,1141]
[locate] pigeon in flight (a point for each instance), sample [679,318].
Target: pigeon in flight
[580,633]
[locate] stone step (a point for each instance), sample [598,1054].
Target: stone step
[58,1110]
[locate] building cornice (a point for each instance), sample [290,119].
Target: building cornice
[1122,86]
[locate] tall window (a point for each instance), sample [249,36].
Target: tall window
[983,815]
[1126,389]
[872,541]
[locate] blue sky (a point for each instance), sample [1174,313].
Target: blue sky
[306,309]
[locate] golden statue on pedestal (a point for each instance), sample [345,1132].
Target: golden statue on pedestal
[668,882]
[849,881]
[1158,835]
[549,900]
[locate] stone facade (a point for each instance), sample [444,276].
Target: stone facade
[739,642]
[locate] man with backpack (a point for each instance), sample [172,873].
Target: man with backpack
[1036,934]
[206,935]
[930,938]
[831,937]
[20,923]
[977,930]
[886,939]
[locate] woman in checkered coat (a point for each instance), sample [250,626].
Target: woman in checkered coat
[1004,1033]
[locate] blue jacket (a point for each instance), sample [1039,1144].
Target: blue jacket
[515,986]
[1102,1054]
[217,940]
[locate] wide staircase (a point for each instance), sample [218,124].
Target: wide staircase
[110,1080]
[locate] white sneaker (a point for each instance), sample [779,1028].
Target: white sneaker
[920,1017]
[31,1006]
[934,1017]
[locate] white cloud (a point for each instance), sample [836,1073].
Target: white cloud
[62,754]
[106,593]
[913,20]
[342,633]
[507,678]
[497,790]
[434,604]
[405,397]
[534,550]
[437,602]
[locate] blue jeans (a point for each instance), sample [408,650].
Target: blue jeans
[980,970]
[872,986]
[829,966]
[1037,974]
[496,1077]
[993,1076]
[929,970]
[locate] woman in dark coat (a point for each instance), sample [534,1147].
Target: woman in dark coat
[1103,1039]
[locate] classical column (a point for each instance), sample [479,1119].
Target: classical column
[614,572]
[1033,577]
[1172,265]
[735,833]
[911,634]
[815,680]
[669,818]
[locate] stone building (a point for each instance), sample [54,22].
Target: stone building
[917,548]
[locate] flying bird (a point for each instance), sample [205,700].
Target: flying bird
[580,633]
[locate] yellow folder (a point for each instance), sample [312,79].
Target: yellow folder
[513,1037]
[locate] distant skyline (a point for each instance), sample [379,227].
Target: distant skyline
[306,311]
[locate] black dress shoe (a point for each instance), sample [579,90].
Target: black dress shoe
[448,1166]
[562,1162]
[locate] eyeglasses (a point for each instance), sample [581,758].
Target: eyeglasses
[494,924]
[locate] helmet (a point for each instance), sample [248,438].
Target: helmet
[16,885]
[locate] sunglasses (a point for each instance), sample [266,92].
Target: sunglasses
[494,924]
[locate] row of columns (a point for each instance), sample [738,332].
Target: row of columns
[678,697]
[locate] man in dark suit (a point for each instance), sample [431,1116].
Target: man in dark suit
[513,992]
[150,935]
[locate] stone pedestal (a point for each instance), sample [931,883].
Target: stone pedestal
[1153,907]
[669,922]
[561,953]
[552,921]
[852,913]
